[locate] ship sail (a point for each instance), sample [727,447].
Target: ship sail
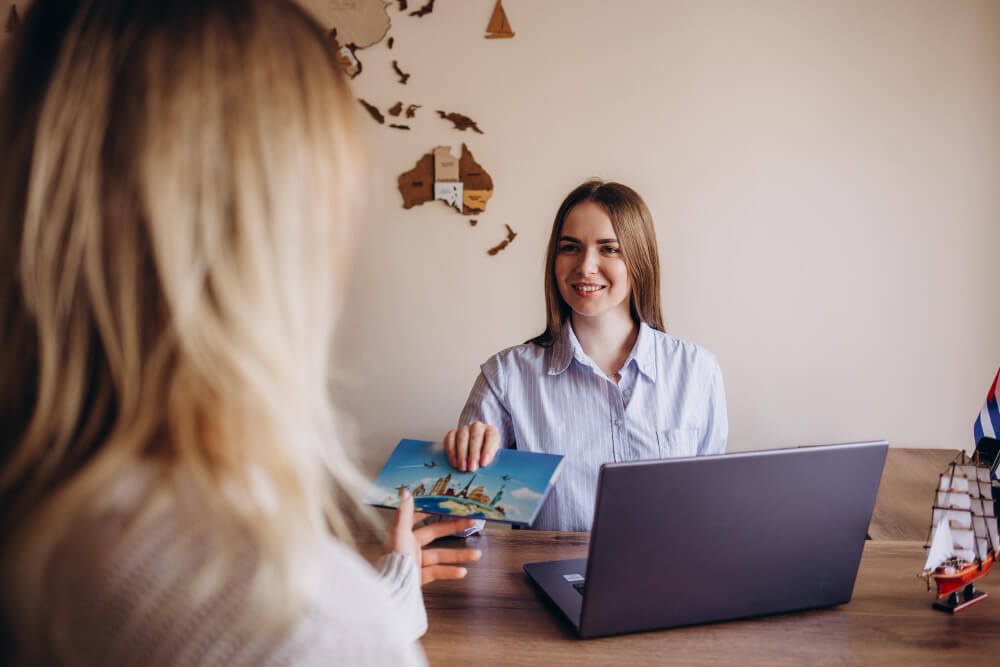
[965,541]
[941,546]
[498,27]
[954,514]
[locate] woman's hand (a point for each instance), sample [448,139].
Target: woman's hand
[473,446]
[405,540]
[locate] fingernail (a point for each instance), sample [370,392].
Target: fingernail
[474,467]
[462,572]
[478,554]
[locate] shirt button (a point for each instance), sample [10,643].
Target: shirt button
[618,422]
[627,392]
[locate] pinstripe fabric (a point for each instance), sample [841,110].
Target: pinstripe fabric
[669,402]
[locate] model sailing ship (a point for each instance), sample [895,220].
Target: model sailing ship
[964,540]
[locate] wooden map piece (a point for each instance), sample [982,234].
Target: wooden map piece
[399,127]
[411,110]
[473,222]
[403,76]
[396,109]
[472,173]
[498,27]
[361,22]
[474,201]
[478,184]
[511,234]
[13,20]
[417,185]
[460,121]
[402,5]
[445,164]
[346,58]
[425,10]
[373,110]
[392,40]
[450,192]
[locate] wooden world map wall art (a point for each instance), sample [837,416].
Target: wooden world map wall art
[459,183]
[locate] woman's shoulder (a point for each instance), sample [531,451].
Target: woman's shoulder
[134,591]
[672,349]
[526,356]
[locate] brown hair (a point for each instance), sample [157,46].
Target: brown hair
[633,225]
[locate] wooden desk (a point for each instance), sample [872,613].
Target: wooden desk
[495,616]
[903,507]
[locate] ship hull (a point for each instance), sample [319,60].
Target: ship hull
[949,583]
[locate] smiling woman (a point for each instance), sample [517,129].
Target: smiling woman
[604,382]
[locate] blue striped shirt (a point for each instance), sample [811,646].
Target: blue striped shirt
[669,402]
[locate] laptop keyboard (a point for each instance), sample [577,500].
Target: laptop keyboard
[579,586]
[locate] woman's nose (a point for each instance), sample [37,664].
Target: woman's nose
[589,262]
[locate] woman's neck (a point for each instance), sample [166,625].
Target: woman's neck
[607,340]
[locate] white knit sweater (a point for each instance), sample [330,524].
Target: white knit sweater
[137,604]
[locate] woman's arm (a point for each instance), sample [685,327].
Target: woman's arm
[407,564]
[717,421]
[483,427]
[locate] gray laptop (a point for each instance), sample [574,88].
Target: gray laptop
[712,538]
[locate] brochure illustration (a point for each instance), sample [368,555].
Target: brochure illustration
[510,489]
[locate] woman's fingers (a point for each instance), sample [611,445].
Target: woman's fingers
[404,514]
[476,432]
[490,445]
[449,447]
[462,448]
[472,446]
[432,531]
[434,572]
[438,556]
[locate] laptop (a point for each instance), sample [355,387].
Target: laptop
[713,538]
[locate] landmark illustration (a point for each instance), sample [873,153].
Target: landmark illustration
[511,489]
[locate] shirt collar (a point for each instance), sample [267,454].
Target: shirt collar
[566,347]
[563,349]
[644,352]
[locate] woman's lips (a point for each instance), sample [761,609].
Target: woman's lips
[587,290]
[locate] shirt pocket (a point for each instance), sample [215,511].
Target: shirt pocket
[677,442]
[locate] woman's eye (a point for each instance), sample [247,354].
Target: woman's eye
[611,250]
[567,247]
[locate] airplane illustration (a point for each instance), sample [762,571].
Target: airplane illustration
[432,464]
[505,478]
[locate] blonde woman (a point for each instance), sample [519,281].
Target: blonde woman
[175,192]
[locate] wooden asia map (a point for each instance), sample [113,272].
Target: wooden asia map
[458,182]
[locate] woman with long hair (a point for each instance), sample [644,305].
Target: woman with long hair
[176,195]
[604,382]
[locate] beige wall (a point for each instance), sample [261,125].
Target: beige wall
[825,179]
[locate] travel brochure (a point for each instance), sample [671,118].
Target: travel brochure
[511,489]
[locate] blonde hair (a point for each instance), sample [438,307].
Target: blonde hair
[174,209]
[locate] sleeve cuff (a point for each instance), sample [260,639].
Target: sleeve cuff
[402,577]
